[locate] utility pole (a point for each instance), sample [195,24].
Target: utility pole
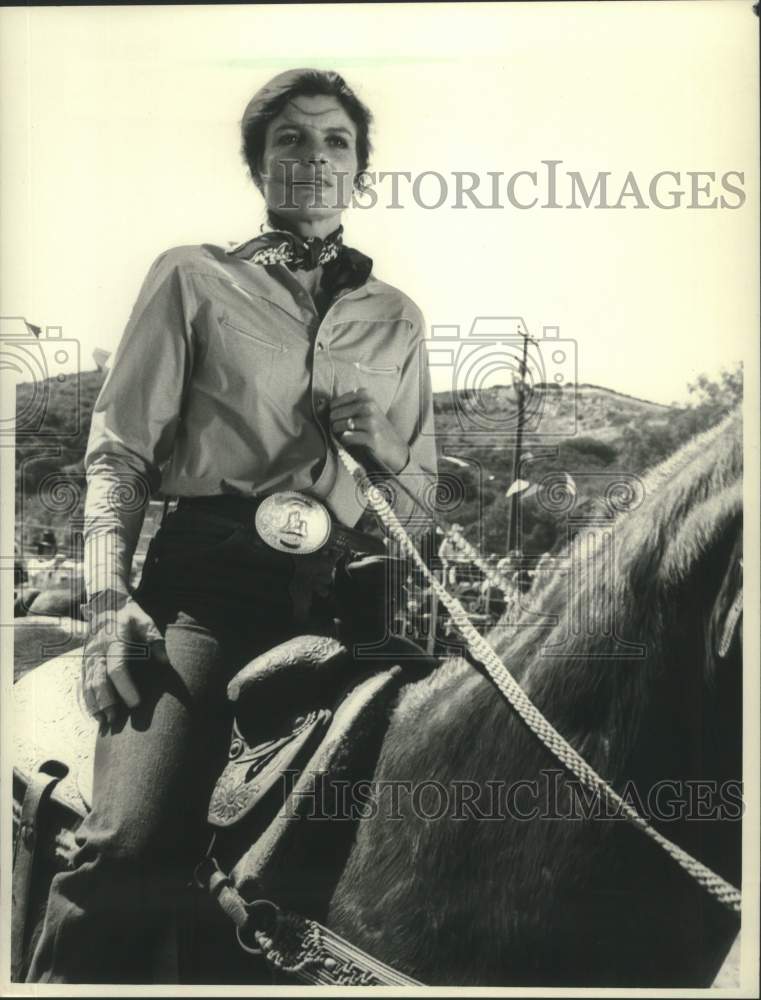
[512,526]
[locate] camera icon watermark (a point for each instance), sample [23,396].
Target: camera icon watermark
[589,504]
[503,381]
[45,368]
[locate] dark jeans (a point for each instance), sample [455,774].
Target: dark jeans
[221,597]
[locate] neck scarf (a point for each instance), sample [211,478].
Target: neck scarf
[281,247]
[346,268]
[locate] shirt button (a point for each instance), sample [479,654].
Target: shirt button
[320,346]
[320,403]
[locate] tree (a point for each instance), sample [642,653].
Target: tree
[711,400]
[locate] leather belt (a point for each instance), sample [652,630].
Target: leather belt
[38,791]
[289,522]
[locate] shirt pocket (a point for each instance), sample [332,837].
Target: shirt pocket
[369,354]
[251,348]
[379,377]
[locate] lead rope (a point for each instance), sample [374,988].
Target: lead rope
[520,701]
[471,553]
[450,532]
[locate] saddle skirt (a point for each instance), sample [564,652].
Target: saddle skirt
[272,800]
[252,772]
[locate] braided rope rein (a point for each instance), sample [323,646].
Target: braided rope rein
[491,573]
[522,704]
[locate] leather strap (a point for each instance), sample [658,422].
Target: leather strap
[36,797]
[294,945]
[352,540]
[300,947]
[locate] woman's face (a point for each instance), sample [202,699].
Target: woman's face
[310,159]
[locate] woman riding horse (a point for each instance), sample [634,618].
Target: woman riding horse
[235,373]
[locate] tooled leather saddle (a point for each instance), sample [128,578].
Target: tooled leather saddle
[309,723]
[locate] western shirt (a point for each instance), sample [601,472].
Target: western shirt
[222,383]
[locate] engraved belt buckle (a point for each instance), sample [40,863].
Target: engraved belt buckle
[293,522]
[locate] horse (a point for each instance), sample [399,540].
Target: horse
[522,880]
[22,600]
[60,601]
[36,636]
[548,897]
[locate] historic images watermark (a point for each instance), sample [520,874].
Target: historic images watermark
[499,350]
[550,796]
[548,185]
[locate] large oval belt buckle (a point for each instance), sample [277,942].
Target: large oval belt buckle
[293,522]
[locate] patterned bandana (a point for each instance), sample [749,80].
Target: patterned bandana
[346,268]
[280,247]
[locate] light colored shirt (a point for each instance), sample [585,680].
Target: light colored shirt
[222,383]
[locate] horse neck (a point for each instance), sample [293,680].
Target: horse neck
[636,697]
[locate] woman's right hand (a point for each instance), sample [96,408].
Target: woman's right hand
[116,638]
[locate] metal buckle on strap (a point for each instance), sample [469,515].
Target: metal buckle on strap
[293,522]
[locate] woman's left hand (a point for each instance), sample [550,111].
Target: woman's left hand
[356,419]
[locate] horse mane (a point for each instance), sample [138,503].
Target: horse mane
[479,902]
[594,685]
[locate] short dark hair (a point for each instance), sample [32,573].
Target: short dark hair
[268,102]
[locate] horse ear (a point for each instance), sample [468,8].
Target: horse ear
[724,626]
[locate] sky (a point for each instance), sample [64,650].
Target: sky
[119,139]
